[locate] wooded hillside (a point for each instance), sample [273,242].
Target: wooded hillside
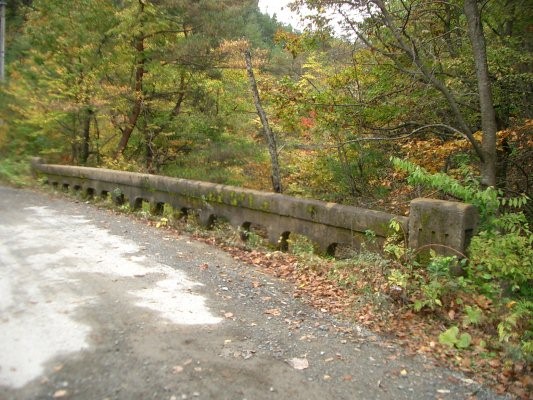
[161,86]
[375,103]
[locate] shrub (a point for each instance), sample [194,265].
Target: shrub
[499,268]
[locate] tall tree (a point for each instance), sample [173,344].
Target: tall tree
[55,79]
[267,131]
[134,18]
[174,70]
[488,116]
[422,41]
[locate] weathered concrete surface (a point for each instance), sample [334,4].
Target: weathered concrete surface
[326,224]
[96,305]
[444,226]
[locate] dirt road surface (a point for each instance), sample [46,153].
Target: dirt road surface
[98,305]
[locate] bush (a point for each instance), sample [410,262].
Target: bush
[499,270]
[15,172]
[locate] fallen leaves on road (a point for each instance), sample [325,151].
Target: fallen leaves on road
[298,363]
[59,394]
[176,369]
[364,296]
[58,367]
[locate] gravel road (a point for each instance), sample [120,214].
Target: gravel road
[98,305]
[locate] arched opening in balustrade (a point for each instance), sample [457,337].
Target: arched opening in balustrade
[244,231]
[157,208]
[76,188]
[331,248]
[65,187]
[295,243]
[206,219]
[183,213]
[136,204]
[118,197]
[283,241]
[90,193]
[344,251]
[251,232]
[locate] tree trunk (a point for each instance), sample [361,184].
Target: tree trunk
[269,135]
[452,48]
[181,96]
[148,147]
[488,116]
[138,100]
[152,163]
[97,141]
[85,139]
[410,49]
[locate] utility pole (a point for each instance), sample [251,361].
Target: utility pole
[2,39]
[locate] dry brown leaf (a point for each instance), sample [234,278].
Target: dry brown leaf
[483,302]
[451,314]
[176,369]
[466,363]
[298,363]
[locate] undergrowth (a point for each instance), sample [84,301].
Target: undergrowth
[15,172]
[494,284]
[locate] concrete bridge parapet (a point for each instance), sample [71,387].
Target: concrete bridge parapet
[442,225]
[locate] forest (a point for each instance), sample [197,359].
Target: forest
[374,103]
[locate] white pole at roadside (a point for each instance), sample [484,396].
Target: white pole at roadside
[2,39]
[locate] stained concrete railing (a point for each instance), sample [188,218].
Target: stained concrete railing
[443,225]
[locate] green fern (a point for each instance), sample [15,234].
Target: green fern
[488,201]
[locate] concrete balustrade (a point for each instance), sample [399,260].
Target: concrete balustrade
[325,224]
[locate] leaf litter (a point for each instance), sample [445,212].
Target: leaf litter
[416,332]
[298,363]
[368,300]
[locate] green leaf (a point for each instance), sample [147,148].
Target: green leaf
[473,315]
[464,341]
[449,336]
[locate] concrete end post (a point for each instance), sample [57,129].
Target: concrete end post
[35,162]
[444,226]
